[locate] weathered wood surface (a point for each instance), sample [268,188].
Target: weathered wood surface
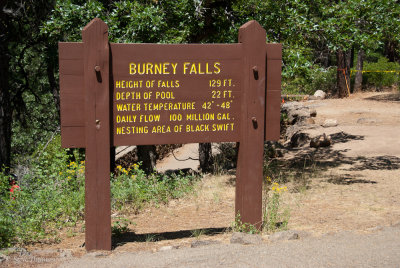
[273,95]
[97,136]
[71,84]
[249,173]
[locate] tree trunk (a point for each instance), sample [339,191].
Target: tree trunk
[52,81]
[343,77]
[5,109]
[147,155]
[390,52]
[359,68]
[205,154]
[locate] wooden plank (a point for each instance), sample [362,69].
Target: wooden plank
[273,96]
[249,174]
[97,136]
[72,137]
[70,50]
[72,110]
[71,95]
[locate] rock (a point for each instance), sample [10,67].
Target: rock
[246,239]
[330,123]
[309,121]
[202,243]
[299,139]
[368,121]
[321,141]
[313,112]
[319,94]
[3,258]
[285,235]
[299,115]
[166,248]
[291,130]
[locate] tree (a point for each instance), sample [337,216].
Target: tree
[19,41]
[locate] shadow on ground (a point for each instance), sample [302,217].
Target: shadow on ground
[129,237]
[348,179]
[309,161]
[386,97]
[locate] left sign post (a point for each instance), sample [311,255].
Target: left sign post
[97,136]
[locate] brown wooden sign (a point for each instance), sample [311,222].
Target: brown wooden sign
[137,94]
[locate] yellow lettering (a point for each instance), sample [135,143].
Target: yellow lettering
[132,68]
[217,68]
[149,68]
[193,69]
[157,68]
[174,67]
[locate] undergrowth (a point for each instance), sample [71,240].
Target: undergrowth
[52,190]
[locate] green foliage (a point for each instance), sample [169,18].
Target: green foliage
[381,79]
[132,189]
[51,196]
[120,226]
[273,218]
[52,191]
[243,227]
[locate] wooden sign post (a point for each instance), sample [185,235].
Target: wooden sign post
[141,94]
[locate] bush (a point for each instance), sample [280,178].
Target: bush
[381,79]
[310,81]
[52,194]
[132,189]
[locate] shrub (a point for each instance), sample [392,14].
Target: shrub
[132,189]
[381,79]
[52,191]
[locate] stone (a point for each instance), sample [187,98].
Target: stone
[368,121]
[202,243]
[330,123]
[321,141]
[309,121]
[3,258]
[313,112]
[299,139]
[291,130]
[299,115]
[246,239]
[285,235]
[166,248]
[319,94]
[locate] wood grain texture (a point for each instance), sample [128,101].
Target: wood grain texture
[249,174]
[273,96]
[97,136]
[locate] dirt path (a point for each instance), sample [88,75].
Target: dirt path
[351,186]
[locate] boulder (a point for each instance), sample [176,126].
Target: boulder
[285,235]
[202,243]
[330,123]
[246,239]
[299,139]
[368,121]
[319,94]
[321,141]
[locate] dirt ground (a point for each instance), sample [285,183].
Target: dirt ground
[352,185]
